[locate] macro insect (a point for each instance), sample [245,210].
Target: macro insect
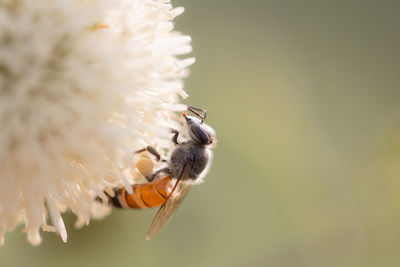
[188,164]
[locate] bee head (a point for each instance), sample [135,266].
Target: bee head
[199,132]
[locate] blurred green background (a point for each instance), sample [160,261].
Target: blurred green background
[305,98]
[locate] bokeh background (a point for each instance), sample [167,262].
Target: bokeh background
[305,98]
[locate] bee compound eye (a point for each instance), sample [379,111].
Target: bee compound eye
[199,134]
[145,166]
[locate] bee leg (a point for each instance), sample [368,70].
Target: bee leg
[111,200]
[151,177]
[152,151]
[175,137]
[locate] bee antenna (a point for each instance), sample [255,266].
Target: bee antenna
[195,110]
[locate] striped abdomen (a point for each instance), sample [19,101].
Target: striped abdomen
[147,195]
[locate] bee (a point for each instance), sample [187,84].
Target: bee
[188,164]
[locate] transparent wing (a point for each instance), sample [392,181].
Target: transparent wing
[171,204]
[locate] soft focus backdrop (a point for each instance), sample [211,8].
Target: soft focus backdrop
[305,98]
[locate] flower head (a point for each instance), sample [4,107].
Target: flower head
[83,84]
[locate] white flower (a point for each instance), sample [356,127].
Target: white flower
[83,84]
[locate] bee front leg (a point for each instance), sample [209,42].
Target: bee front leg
[175,137]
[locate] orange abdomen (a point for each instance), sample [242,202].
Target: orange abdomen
[147,195]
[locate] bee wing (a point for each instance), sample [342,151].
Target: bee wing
[171,204]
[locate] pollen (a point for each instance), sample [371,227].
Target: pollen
[145,166]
